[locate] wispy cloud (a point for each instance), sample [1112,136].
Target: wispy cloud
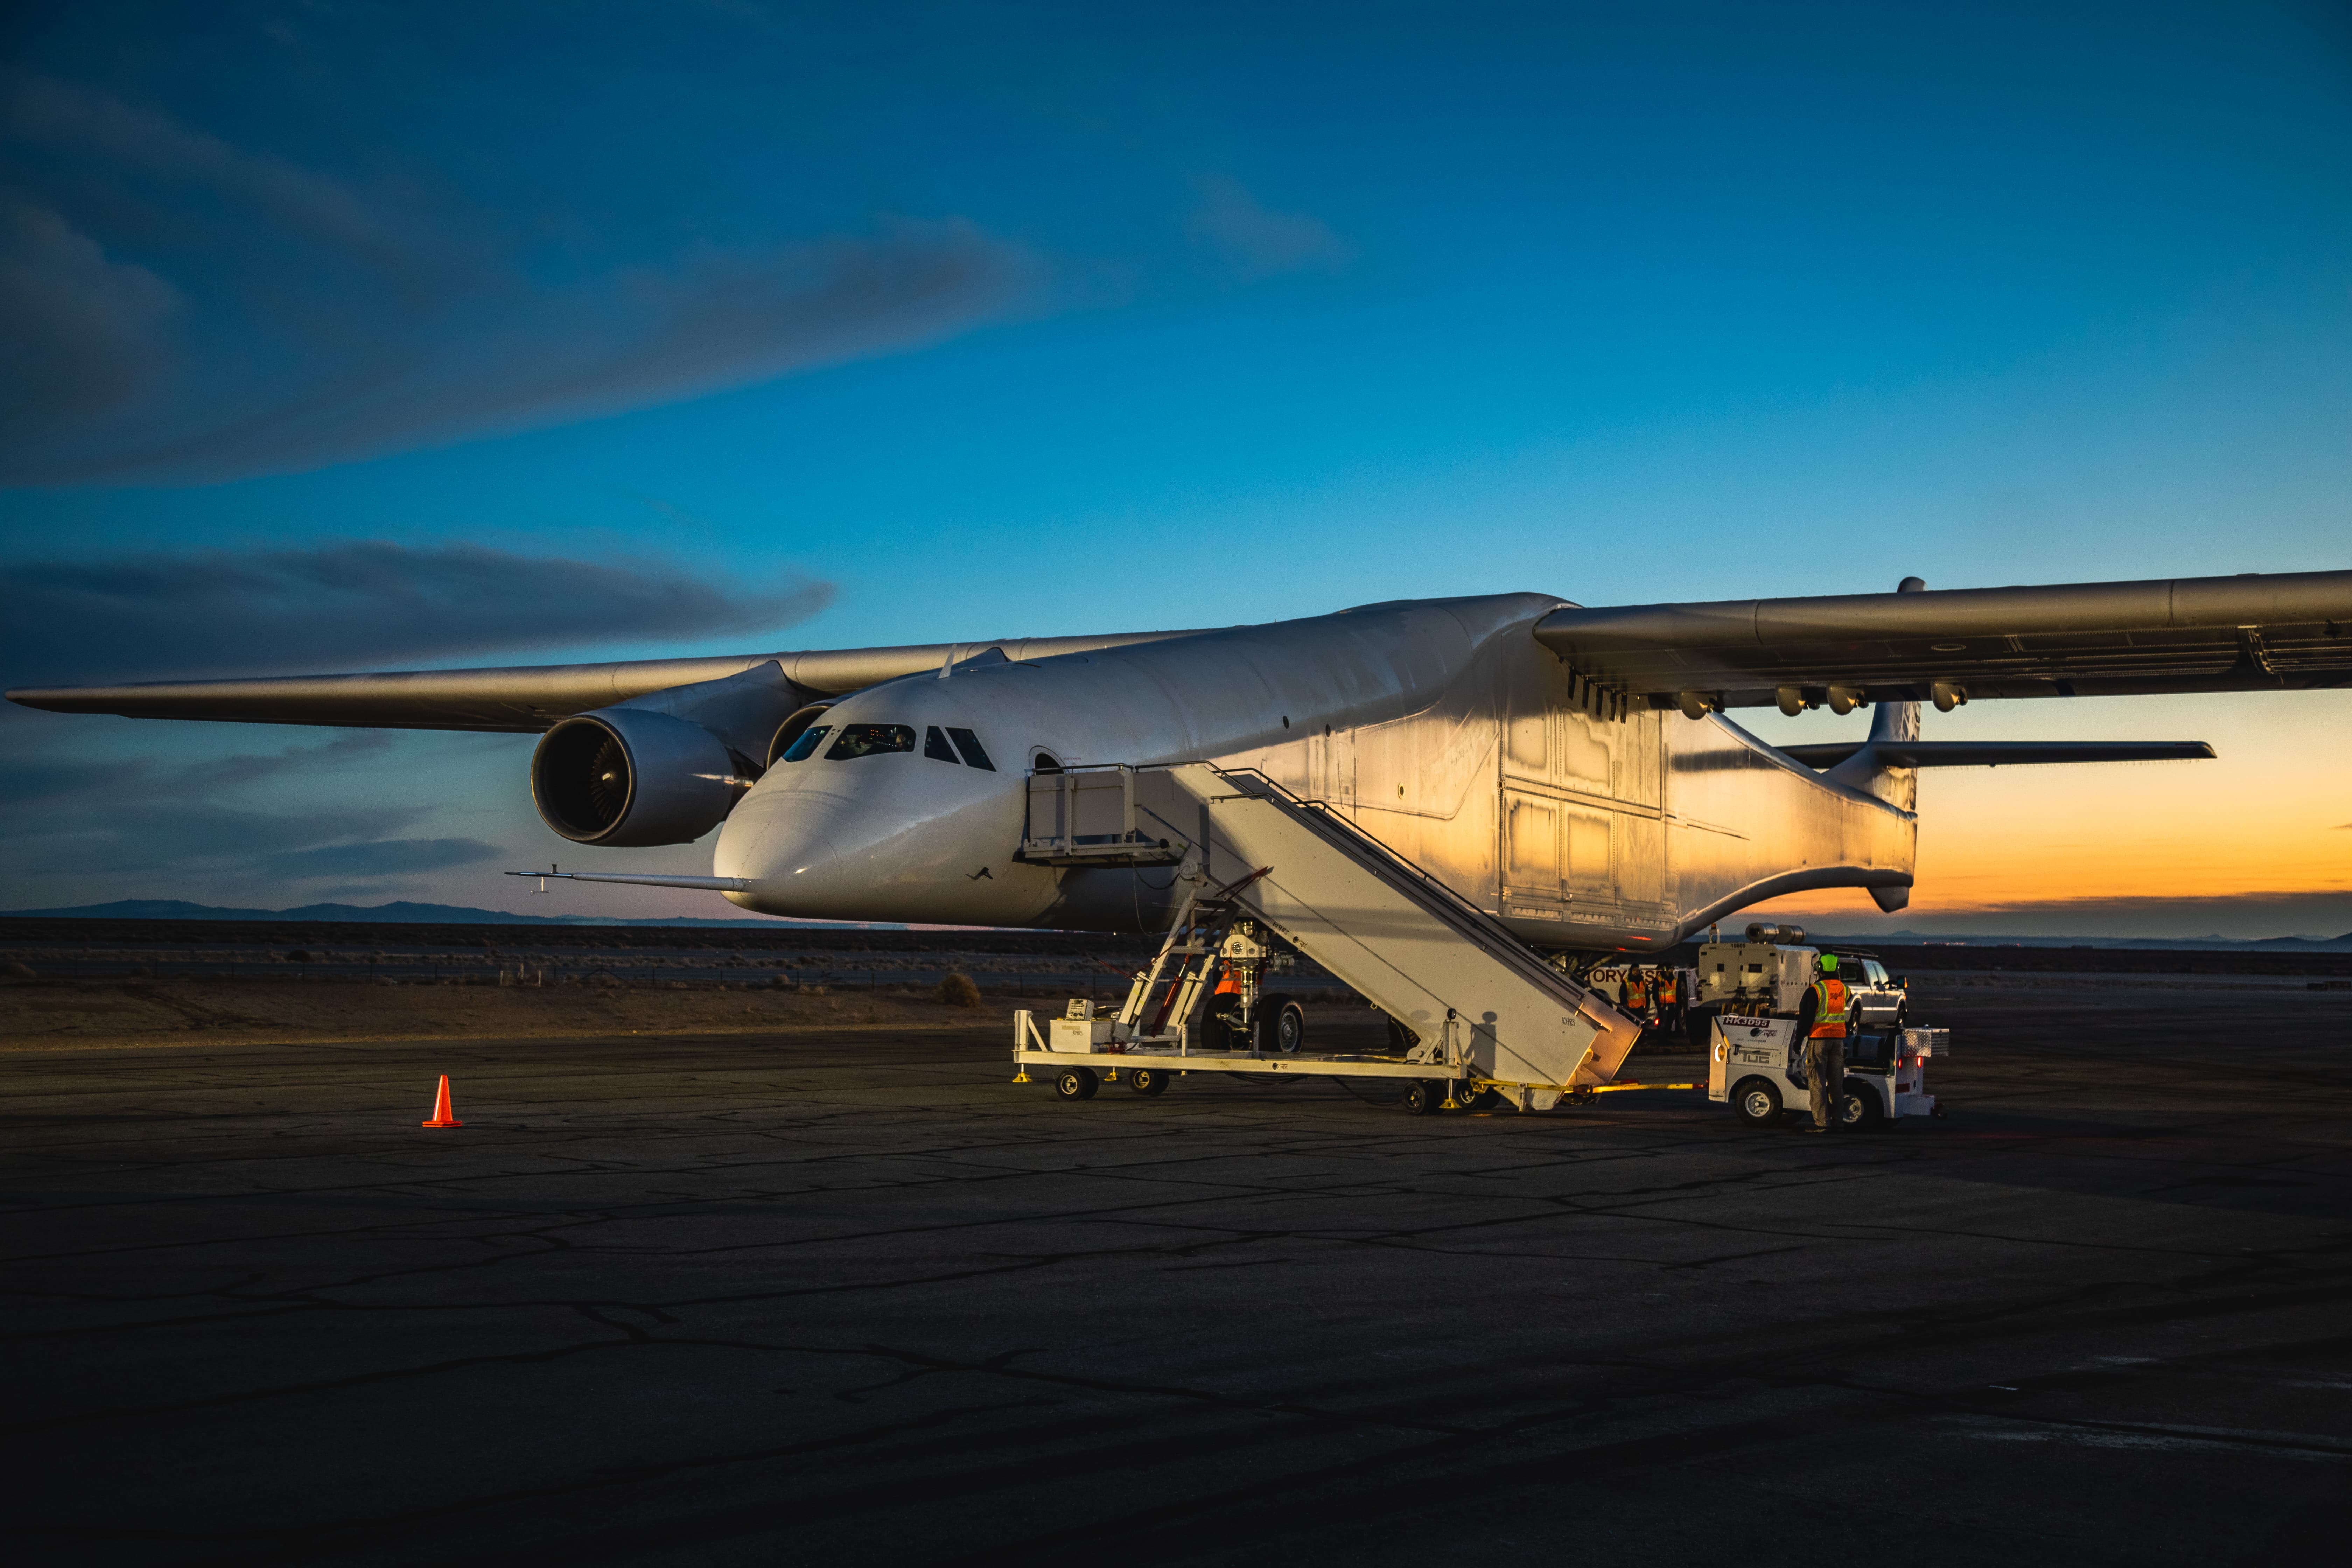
[1254,240]
[80,817]
[175,307]
[350,605]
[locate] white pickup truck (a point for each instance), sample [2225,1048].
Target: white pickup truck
[1877,1002]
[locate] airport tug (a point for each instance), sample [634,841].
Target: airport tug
[1757,1063]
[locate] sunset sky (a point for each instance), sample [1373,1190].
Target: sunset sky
[339,337]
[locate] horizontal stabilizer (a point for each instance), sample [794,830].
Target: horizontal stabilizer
[1998,753]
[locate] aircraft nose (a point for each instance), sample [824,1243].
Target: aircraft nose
[785,845]
[914,846]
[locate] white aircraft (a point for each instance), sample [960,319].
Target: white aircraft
[1568,771]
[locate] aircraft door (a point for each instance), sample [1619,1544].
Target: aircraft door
[1333,766]
[1530,849]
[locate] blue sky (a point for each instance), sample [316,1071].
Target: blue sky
[775,326]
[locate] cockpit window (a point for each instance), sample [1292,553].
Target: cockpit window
[865,739]
[802,749]
[935,746]
[971,752]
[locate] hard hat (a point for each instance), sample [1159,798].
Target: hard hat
[1829,963]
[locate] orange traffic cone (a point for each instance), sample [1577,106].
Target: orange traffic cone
[443,1116]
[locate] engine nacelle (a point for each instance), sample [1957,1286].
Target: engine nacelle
[627,778]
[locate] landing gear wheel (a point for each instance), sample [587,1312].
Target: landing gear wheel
[1285,1028]
[1076,1083]
[1757,1102]
[1424,1097]
[1860,1109]
[1146,1080]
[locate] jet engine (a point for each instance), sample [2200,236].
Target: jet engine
[627,776]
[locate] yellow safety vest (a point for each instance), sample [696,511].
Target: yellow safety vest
[1828,1017]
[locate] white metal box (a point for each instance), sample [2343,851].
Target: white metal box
[1927,1042]
[1755,972]
[1078,1034]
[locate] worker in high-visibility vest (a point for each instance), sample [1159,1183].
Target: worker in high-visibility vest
[1821,1023]
[1635,995]
[1669,998]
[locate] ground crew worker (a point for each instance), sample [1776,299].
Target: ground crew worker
[1636,993]
[1669,999]
[1821,1022]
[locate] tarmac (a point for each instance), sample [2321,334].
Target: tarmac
[833,1294]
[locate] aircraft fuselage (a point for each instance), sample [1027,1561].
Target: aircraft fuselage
[1441,727]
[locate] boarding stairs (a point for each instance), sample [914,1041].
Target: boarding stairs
[1483,1004]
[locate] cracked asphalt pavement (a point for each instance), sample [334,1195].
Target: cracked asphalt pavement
[852,1294]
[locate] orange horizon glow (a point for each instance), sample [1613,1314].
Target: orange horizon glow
[2270,818]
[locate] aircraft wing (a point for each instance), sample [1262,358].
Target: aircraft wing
[525,699]
[2289,631]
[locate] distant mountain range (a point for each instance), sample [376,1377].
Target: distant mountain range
[403,913]
[2242,945]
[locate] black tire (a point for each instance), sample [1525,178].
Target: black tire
[1076,1083]
[1285,1029]
[1755,1102]
[1860,1107]
[1475,1099]
[1424,1097]
[1148,1080]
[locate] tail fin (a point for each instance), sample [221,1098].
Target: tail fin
[1894,725]
[1895,721]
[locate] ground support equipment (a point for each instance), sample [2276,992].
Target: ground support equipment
[1481,1017]
[1756,1065]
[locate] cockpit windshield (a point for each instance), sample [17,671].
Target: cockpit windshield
[804,748]
[866,740]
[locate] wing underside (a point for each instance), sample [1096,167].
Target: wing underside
[2288,631]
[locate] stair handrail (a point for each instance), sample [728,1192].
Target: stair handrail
[1489,930]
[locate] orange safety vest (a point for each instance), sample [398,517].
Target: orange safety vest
[1637,993]
[1666,988]
[1828,1017]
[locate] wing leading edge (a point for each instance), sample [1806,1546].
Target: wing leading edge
[2290,631]
[524,700]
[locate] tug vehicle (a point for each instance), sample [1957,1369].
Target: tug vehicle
[1756,1063]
